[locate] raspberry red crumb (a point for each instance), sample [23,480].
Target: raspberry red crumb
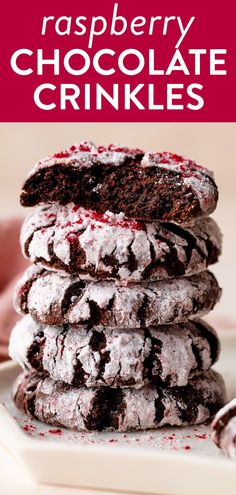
[171,158]
[62,154]
[72,237]
[29,427]
[55,432]
[88,147]
[167,157]
[50,215]
[201,437]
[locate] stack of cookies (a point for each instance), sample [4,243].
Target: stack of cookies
[111,337]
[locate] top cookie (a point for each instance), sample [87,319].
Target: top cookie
[151,186]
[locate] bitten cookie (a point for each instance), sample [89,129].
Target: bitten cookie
[160,186]
[108,246]
[87,409]
[115,357]
[54,299]
[224,429]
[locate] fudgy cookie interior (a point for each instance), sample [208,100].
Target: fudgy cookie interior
[144,193]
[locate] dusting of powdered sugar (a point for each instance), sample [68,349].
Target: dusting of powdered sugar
[109,240]
[150,303]
[198,178]
[149,407]
[87,154]
[128,353]
[177,163]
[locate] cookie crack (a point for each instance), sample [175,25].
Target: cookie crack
[191,240]
[30,238]
[142,310]
[132,263]
[210,337]
[75,290]
[25,289]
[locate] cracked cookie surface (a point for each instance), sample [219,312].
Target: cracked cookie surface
[115,357]
[54,299]
[106,408]
[71,239]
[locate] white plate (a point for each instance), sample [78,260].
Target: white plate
[168,461]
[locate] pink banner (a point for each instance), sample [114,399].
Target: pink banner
[117,61]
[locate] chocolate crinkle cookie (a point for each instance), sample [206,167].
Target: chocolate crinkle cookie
[54,299]
[115,357]
[119,409]
[71,239]
[224,429]
[148,186]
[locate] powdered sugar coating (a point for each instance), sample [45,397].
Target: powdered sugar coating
[171,161]
[87,154]
[224,429]
[54,299]
[194,176]
[115,357]
[86,409]
[75,240]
